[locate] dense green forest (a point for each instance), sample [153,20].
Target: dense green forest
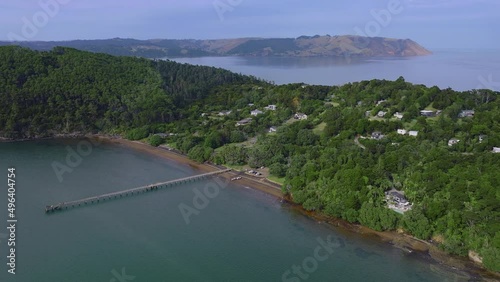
[331,162]
[66,90]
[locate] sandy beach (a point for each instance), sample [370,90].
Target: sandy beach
[246,180]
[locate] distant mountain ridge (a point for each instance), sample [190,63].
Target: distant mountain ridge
[303,46]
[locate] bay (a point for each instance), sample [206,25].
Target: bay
[459,69]
[241,234]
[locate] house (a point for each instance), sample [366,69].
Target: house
[381,114]
[368,113]
[377,135]
[413,133]
[402,131]
[273,129]
[427,113]
[482,138]
[398,115]
[271,108]
[244,122]
[397,201]
[300,116]
[496,150]
[256,112]
[467,113]
[225,113]
[381,102]
[251,105]
[453,141]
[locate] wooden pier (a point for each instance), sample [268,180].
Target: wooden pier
[130,192]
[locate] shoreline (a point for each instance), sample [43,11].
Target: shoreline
[460,266]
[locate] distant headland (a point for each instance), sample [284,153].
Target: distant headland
[303,46]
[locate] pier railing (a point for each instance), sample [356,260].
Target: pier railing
[130,192]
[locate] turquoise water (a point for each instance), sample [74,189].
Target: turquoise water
[239,234]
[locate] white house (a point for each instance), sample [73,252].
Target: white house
[273,129]
[402,131]
[271,108]
[467,113]
[244,122]
[496,150]
[256,112]
[300,116]
[377,135]
[225,113]
[413,133]
[453,141]
[427,113]
[398,115]
[381,114]
[381,102]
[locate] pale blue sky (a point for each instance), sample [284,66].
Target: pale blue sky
[433,23]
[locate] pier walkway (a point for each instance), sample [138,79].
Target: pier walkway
[130,192]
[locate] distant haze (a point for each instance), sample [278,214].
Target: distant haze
[432,23]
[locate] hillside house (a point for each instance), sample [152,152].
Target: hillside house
[398,115]
[273,129]
[377,135]
[271,108]
[402,131]
[244,122]
[453,142]
[496,150]
[397,201]
[467,113]
[413,133]
[381,114]
[300,116]
[225,113]
[427,113]
[256,112]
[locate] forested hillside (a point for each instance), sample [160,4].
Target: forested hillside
[337,150]
[66,90]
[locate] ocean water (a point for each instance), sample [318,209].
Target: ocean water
[458,69]
[239,234]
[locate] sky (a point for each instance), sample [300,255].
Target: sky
[432,23]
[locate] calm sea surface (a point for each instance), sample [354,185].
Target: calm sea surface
[458,69]
[242,234]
